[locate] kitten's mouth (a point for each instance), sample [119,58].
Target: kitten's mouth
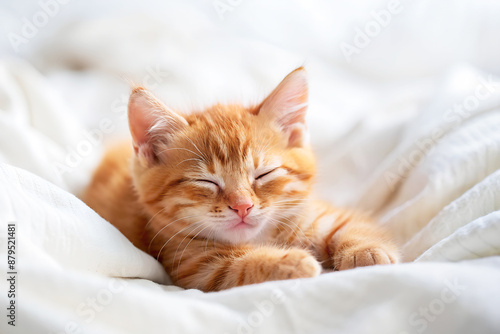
[241,225]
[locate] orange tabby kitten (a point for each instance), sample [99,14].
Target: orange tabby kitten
[222,198]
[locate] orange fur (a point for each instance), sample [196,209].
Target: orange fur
[222,198]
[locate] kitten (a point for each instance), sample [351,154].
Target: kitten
[222,198]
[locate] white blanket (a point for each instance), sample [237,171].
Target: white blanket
[413,141]
[67,258]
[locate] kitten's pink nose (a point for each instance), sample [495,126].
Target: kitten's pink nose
[242,208]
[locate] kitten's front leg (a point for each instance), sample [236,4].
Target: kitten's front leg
[270,264]
[345,240]
[360,244]
[230,266]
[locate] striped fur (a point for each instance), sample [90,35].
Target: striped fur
[174,194]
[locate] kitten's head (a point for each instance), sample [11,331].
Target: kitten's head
[229,173]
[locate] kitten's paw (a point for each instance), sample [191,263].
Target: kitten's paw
[295,263]
[361,257]
[279,265]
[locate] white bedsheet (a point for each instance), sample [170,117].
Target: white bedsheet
[414,141]
[68,257]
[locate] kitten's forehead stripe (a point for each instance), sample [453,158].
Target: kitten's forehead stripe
[256,161]
[227,142]
[211,167]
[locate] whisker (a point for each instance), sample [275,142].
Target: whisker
[180,243]
[190,159]
[215,247]
[294,230]
[288,205]
[212,231]
[292,200]
[278,224]
[281,211]
[287,217]
[182,148]
[291,230]
[161,249]
[164,227]
[182,254]
[154,217]
[204,158]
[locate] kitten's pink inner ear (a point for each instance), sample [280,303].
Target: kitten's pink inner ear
[287,106]
[140,118]
[151,123]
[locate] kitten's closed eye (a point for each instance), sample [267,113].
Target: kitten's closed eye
[214,183]
[263,175]
[208,183]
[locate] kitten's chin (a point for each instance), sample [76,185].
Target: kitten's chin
[240,233]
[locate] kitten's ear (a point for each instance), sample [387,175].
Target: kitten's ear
[151,124]
[287,105]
